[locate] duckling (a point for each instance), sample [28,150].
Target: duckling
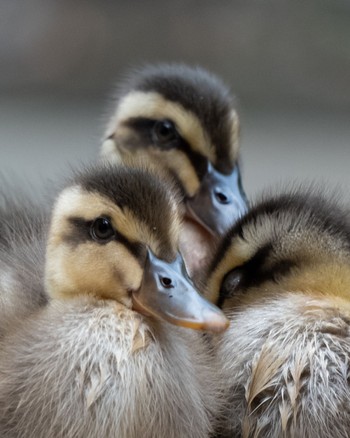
[100,359]
[23,227]
[282,276]
[185,121]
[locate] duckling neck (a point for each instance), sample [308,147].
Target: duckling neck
[197,246]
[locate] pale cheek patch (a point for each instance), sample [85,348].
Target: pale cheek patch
[179,163]
[110,153]
[107,271]
[57,279]
[173,159]
[323,278]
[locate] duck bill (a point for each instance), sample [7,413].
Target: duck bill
[219,202]
[167,293]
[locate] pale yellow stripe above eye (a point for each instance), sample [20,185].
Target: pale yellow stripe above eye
[237,254]
[76,202]
[235,135]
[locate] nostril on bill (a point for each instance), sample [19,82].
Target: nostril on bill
[221,197]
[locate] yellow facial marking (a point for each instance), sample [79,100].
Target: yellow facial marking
[75,202]
[110,152]
[316,291]
[235,135]
[322,278]
[107,270]
[237,254]
[177,161]
[319,271]
[152,105]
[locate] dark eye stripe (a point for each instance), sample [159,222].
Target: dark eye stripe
[203,95]
[138,250]
[253,273]
[145,127]
[81,233]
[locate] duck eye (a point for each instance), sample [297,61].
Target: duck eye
[102,229]
[231,283]
[164,132]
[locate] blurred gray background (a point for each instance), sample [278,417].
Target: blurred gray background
[287,61]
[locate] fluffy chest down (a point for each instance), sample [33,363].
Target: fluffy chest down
[287,364]
[92,369]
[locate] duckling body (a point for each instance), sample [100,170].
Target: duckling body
[98,360]
[184,121]
[91,368]
[23,230]
[284,277]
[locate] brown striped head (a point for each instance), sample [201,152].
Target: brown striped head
[114,235]
[299,241]
[184,120]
